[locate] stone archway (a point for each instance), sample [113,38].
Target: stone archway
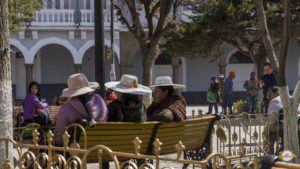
[88,64]
[18,73]
[163,66]
[82,51]
[53,65]
[242,65]
[137,66]
[53,40]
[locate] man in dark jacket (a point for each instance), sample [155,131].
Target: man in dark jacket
[269,81]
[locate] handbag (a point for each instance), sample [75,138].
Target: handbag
[211,97]
[41,116]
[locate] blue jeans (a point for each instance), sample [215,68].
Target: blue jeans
[251,102]
[228,102]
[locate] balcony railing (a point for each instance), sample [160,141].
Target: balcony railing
[66,17]
[54,17]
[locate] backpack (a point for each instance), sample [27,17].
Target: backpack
[41,116]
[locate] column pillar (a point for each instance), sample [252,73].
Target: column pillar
[70,4]
[222,68]
[45,4]
[84,4]
[62,4]
[125,69]
[53,4]
[92,4]
[29,73]
[176,71]
[78,68]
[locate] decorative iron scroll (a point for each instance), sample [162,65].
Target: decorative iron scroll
[47,156]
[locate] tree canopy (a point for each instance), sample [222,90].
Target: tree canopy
[21,11]
[234,22]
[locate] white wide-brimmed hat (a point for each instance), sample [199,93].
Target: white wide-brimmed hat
[78,84]
[129,85]
[166,81]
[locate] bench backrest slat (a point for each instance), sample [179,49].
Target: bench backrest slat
[192,133]
[119,136]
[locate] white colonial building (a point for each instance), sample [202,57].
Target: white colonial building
[57,44]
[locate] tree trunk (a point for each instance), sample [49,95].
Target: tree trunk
[147,71]
[266,38]
[290,106]
[149,57]
[260,60]
[222,68]
[5,84]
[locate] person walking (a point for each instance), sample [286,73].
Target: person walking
[252,87]
[228,93]
[212,96]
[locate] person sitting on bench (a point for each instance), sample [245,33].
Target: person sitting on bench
[128,107]
[84,103]
[167,106]
[274,109]
[33,104]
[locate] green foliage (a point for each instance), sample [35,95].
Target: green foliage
[214,22]
[231,21]
[239,106]
[21,11]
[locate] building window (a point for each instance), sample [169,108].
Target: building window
[239,58]
[88,4]
[57,4]
[163,59]
[49,4]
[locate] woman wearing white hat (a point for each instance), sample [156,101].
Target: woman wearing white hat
[129,106]
[83,103]
[167,106]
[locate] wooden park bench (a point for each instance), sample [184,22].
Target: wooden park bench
[283,165]
[194,133]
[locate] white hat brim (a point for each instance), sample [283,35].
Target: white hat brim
[140,90]
[175,86]
[72,93]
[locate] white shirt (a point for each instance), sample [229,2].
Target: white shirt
[273,111]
